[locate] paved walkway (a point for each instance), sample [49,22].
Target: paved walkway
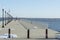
[20,27]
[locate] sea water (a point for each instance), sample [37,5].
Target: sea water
[53,23]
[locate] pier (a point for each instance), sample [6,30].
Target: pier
[23,30]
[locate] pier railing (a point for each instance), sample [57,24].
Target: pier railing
[6,18]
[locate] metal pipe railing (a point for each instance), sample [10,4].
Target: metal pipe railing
[2,18]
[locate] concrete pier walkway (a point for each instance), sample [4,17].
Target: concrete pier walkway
[20,28]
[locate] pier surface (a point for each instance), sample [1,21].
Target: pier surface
[28,39]
[20,28]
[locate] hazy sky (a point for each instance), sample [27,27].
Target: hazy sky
[32,8]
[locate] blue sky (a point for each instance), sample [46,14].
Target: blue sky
[32,8]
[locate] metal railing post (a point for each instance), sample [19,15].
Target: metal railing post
[9,33]
[28,33]
[2,18]
[5,17]
[46,33]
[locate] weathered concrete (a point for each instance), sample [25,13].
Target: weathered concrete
[28,39]
[20,29]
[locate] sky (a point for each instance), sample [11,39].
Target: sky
[31,8]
